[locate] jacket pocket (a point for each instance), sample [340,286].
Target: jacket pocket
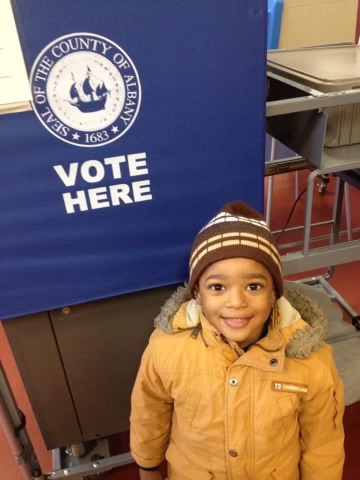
[191,474]
[277,475]
[287,410]
[181,468]
[202,475]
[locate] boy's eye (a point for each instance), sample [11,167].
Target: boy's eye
[254,286]
[217,287]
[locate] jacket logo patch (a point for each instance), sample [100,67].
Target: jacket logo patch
[289,387]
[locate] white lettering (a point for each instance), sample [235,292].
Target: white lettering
[120,192]
[93,171]
[140,189]
[99,171]
[43,69]
[115,164]
[135,162]
[105,48]
[54,122]
[98,198]
[78,43]
[70,202]
[39,95]
[68,179]
[120,61]
[103,197]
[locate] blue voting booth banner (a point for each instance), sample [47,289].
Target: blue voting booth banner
[148,116]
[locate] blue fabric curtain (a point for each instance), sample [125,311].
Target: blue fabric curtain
[148,115]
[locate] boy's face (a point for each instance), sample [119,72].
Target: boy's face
[236,296]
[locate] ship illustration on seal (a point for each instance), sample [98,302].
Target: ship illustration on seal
[90,95]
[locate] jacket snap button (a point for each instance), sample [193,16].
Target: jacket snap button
[233,453]
[233,381]
[273,362]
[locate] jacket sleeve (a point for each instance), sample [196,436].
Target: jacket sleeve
[321,427]
[151,413]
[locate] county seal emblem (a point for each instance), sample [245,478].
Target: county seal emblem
[86,89]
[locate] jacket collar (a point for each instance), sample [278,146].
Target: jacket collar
[268,353]
[302,325]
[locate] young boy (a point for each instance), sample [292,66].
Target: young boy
[237,382]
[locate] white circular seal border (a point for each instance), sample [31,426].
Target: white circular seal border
[87,97]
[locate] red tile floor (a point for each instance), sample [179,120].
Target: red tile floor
[345,280]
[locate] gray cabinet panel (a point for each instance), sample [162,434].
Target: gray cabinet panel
[79,363]
[37,356]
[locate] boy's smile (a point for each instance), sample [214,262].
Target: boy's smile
[236,296]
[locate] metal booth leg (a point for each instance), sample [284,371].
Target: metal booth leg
[89,467]
[12,423]
[348,212]
[270,183]
[323,280]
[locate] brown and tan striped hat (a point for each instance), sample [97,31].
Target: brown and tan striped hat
[238,230]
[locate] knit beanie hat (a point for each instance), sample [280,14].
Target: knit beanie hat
[238,230]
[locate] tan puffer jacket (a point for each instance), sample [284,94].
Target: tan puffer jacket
[272,412]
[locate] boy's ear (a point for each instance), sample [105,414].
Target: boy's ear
[197,294]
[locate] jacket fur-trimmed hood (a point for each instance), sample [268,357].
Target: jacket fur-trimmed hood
[302,342]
